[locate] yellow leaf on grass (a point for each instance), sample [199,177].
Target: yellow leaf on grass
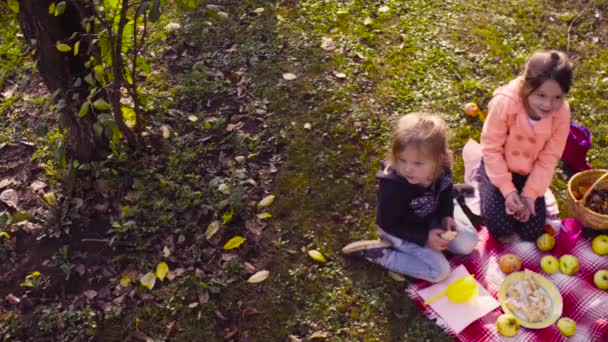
[258,277]
[266,201]
[263,216]
[212,228]
[317,256]
[234,242]
[5,234]
[50,198]
[125,281]
[161,270]
[148,280]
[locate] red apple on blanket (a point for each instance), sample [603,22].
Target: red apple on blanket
[568,264]
[507,325]
[600,279]
[549,264]
[545,242]
[510,263]
[600,244]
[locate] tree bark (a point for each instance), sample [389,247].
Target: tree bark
[61,69]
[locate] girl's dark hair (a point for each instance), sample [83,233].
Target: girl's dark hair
[546,65]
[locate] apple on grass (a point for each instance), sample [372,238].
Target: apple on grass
[549,264]
[600,244]
[507,325]
[471,109]
[600,279]
[568,264]
[566,326]
[510,263]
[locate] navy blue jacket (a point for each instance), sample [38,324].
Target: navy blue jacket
[410,211]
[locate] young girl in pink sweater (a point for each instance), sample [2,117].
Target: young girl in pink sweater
[522,141]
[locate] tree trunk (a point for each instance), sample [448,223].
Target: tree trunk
[61,69]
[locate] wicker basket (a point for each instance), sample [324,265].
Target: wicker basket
[594,179]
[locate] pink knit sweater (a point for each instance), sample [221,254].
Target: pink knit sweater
[511,144]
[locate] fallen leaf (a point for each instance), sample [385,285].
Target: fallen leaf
[249,268]
[327,44]
[340,75]
[212,228]
[367,21]
[90,294]
[259,10]
[308,125]
[193,118]
[50,198]
[294,338]
[317,256]
[193,305]
[166,252]
[396,276]
[248,312]
[14,300]
[10,197]
[37,185]
[266,201]
[289,76]
[165,131]
[234,242]
[319,335]
[161,270]
[148,280]
[258,277]
[125,281]
[264,216]
[171,275]
[383,9]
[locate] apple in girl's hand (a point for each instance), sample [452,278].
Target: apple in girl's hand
[600,279]
[568,264]
[510,263]
[549,264]
[566,326]
[600,244]
[471,109]
[545,242]
[507,325]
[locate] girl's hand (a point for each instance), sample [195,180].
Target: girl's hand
[513,203]
[530,203]
[523,215]
[435,241]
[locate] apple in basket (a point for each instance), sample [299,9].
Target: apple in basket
[549,264]
[600,244]
[545,242]
[507,325]
[566,326]
[568,264]
[510,263]
[600,279]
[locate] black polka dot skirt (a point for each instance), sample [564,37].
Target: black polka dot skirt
[500,224]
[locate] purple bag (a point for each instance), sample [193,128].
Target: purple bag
[577,146]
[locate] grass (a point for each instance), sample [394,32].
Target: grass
[326,135]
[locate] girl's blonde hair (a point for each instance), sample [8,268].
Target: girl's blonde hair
[426,132]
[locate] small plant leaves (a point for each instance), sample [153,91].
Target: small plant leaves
[76,48]
[84,109]
[101,105]
[60,8]
[51,8]
[266,201]
[5,235]
[14,5]
[258,277]
[61,47]
[125,281]
[161,270]
[148,280]
[234,242]
[289,76]
[264,216]
[317,256]
[212,228]
[50,198]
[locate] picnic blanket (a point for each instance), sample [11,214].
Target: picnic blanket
[583,302]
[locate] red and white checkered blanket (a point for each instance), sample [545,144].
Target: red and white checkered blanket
[583,302]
